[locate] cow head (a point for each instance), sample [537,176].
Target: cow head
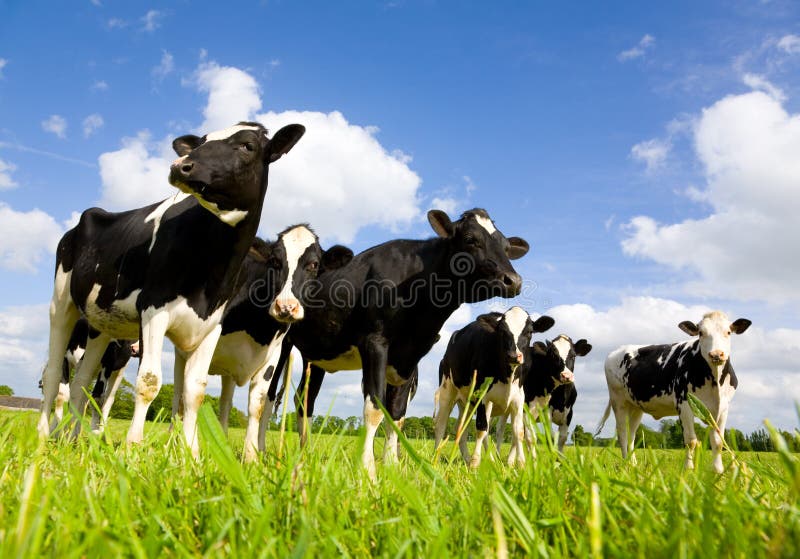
[480,254]
[227,170]
[514,330]
[714,333]
[559,357]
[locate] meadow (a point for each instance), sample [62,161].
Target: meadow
[99,498]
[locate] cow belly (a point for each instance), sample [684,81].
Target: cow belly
[120,320]
[186,328]
[560,417]
[503,397]
[239,356]
[350,360]
[659,406]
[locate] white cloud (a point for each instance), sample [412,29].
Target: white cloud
[767,378]
[759,83]
[98,85]
[233,95]
[645,43]
[136,174]
[748,146]
[3,63]
[789,44]
[653,153]
[6,182]
[92,124]
[23,252]
[116,23]
[152,20]
[56,124]
[165,67]
[97,3]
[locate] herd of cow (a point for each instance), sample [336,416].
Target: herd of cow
[192,269]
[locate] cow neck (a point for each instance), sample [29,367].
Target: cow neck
[436,255]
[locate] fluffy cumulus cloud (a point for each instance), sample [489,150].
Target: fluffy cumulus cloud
[744,249]
[23,346]
[789,44]
[639,50]
[338,178]
[653,153]
[768,380]
[23,253]
[6,182]
[55,124]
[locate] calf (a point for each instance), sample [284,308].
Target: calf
[165,269]
[114,360]
[548,366]
[491,347]
[657,379]
[382,312]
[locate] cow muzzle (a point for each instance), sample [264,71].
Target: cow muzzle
[717,357]
[286,310]
[515,357]
[567,377]
[135,349]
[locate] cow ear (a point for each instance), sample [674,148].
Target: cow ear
[689,327]
[543,323]
[517,248]
[284,140]
[441,223]
[185,144]
[335,257]
[582,347]
[739,325]
[491,319]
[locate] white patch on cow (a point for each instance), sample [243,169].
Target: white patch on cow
[228,132]
[516,318]
[228,217]
[119,321]
[350,360]
[486,223]
[563,346]
[295,242]
[186,329]
[559,417]
[157,214]
[239,356]
[73,356]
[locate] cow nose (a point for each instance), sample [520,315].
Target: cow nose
[519,357]
[512,282]
[717,355]
[286,309]
[567,376]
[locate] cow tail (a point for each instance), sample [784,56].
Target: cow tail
[603,419]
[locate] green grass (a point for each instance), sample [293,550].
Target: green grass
[99,499]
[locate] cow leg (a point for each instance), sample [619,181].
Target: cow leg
[194,385]
[621,418]
[530,432]
[397,399]
[563,433]
[373,359]
[106,401]
[255,437]
[84,374]
[62,397]
[226,401]
[717,440]
[689,437]
[148,379]
[63,316]
[444,400]
[462,441]
[500,433]
[634,419]
[98,395]
[518,430]
[304,399]
[484,414]
[274,394]
[179,371]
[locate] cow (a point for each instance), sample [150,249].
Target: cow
[657,379]
[382,312]
[253,329]
[167,269]
[114,360]
[490,347]
[548,372]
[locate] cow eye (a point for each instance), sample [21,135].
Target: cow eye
[312,266]
[249,146]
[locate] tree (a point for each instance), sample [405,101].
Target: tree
[580,437]
[6,390]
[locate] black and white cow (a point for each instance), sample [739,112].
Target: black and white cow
[562,404]
[492,346]
[656,380]
[548,366]
[165,269]
[114,360]
[382,312]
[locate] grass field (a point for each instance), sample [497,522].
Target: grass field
[95,499]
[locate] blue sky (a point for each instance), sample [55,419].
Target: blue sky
[646,151]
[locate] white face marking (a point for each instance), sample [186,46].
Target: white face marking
[563,346]
[486,223]
[295,242]
[715,337]
[228,132]
[158,213]
[516,318]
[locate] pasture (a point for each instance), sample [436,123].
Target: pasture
[96,498]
